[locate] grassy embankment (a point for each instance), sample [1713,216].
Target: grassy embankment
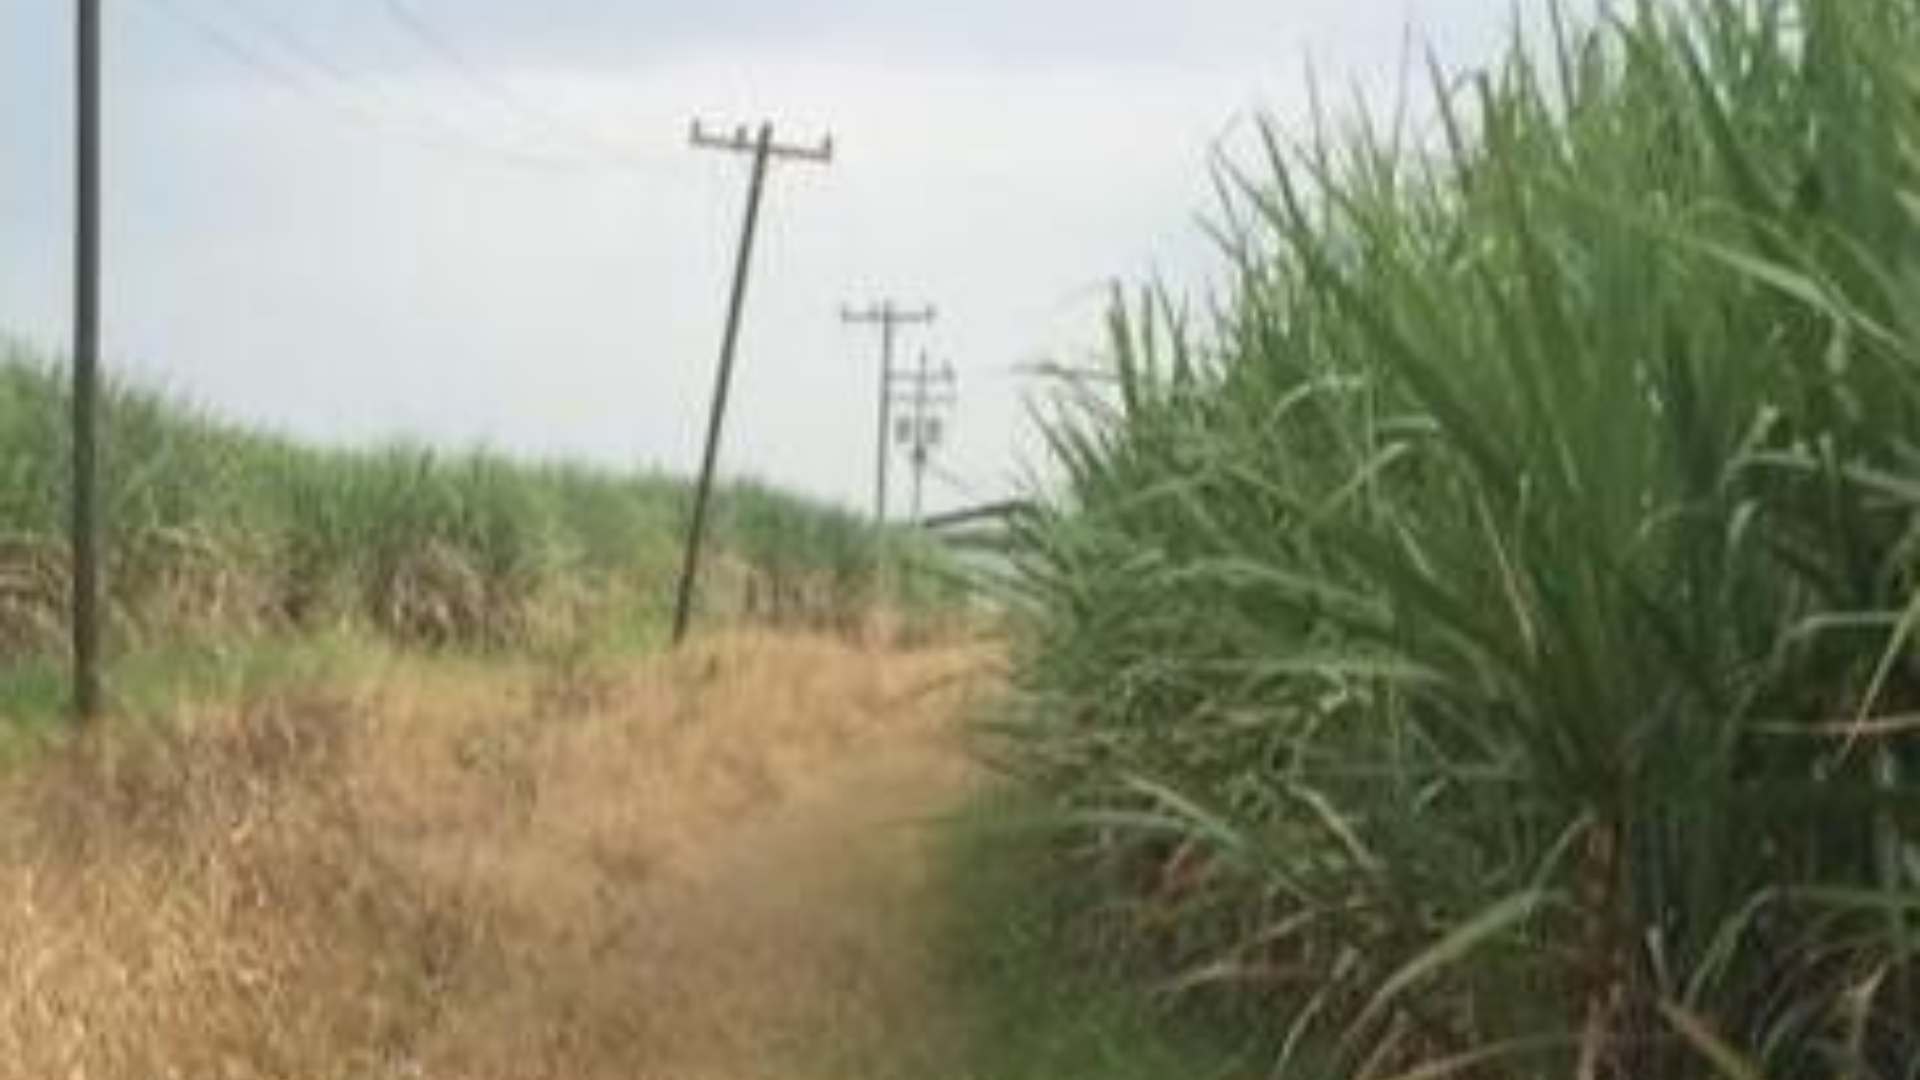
[396,786]
[232,551]
[1486,647]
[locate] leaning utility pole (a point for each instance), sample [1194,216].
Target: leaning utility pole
[763,148]
[85,538]
[922,431]
[888,316]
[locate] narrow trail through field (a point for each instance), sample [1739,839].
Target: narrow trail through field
[772,919]
[796,940]
[713,866]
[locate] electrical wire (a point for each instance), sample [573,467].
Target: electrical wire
[349,80]
[952,480]
[351,106]
[544,121]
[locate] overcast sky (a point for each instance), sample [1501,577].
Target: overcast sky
[479,221]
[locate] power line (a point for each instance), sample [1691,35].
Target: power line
[475,75]
[442,137]
[954,481]
[356,82]
[351,82]
[293,43]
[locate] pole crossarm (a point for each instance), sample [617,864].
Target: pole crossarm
[742,141]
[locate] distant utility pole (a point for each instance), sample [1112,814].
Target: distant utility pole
[888,316]
[85,538]
[921,430]
[763,148]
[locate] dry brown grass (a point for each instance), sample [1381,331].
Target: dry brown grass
[446,871]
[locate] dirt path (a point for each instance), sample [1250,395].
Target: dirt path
[744,877]
[796,943]
[710,867]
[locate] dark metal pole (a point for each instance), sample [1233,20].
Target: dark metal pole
[919,434]
[886,410]
[85,539]
[890,317]
[683,608]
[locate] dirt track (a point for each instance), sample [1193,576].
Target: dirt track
[798,935]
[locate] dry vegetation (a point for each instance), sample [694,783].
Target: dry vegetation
[444,870]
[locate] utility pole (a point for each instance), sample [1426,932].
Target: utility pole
[922,430]
[888,316]
[84,541]
[763,148]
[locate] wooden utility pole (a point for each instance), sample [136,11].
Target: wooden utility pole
[888,316]
[763,148]
[923,430]
[84,541]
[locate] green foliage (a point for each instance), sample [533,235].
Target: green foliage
[162,680]
[217,532]
[1019,997]
[817,567]
[1490,638]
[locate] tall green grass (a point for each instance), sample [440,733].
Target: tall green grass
[1020,997]
[1484,645]
[219,531]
